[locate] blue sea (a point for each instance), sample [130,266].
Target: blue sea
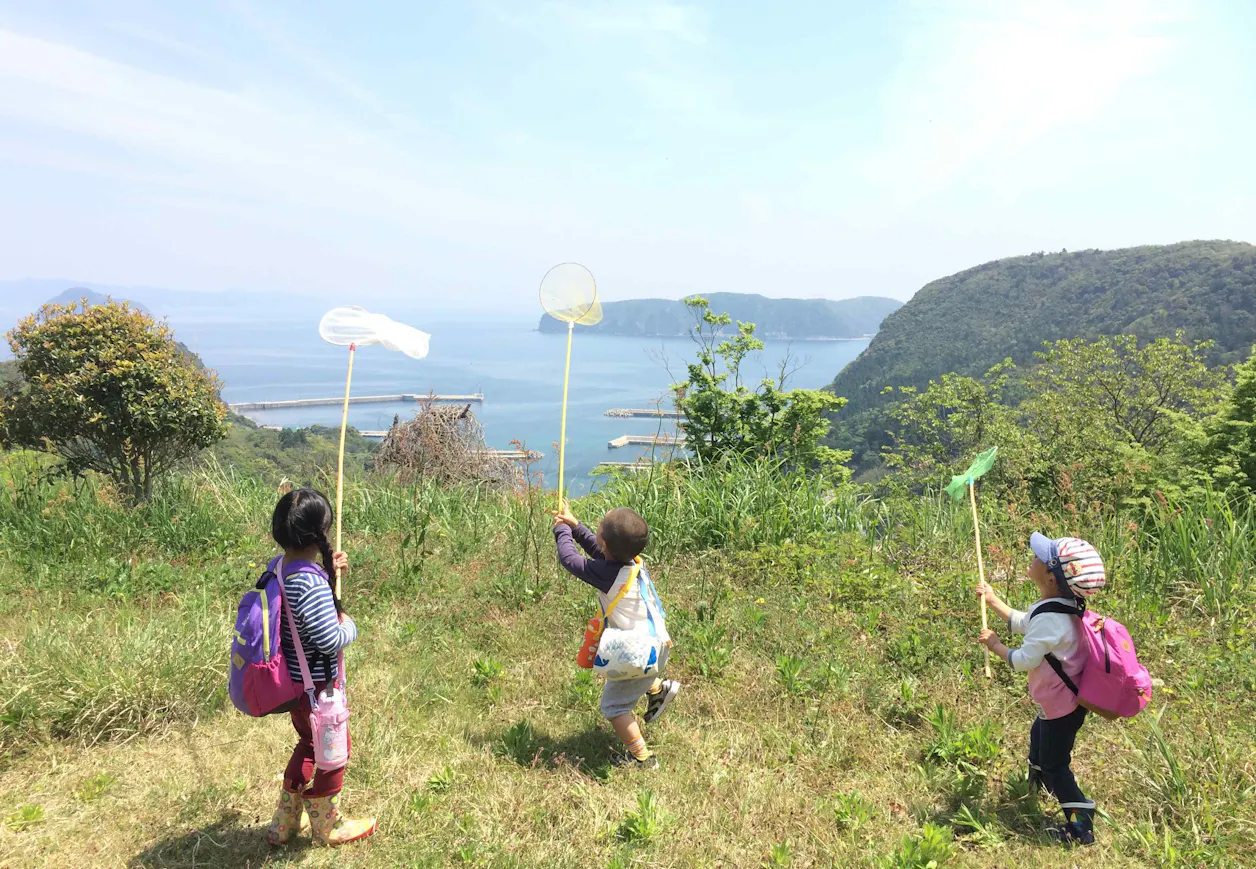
[277,354]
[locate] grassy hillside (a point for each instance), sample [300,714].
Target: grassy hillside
[799,319]
[833,714]
[972,320]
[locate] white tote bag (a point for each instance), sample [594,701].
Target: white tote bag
[634,653]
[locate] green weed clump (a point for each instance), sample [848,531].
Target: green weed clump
[645,823]
[931,849]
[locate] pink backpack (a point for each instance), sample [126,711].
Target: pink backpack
[1113,684]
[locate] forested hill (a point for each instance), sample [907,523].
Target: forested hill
[802,319]
[972,320]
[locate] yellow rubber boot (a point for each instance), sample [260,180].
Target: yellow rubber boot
[329,828]
[289,818]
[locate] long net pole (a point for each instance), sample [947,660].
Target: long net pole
[340,461]
[562,434]
[981,563]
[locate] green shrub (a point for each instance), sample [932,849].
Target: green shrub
[485,671]
[25,817]
[779,857]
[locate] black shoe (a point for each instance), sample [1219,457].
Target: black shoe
[628,761]
[658,702]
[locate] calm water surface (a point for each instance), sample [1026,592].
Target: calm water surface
[277,354]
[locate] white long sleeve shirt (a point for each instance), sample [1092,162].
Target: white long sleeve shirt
[1056,633]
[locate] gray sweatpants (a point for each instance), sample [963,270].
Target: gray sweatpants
[620,696]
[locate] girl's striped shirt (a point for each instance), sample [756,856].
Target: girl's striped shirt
[322,634]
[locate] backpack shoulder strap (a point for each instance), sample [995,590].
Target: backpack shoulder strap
[1059,671]
[632,580]
[306,680]
[1055,606]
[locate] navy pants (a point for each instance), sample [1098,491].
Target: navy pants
[1050,758]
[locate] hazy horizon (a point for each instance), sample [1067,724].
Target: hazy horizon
[447,154]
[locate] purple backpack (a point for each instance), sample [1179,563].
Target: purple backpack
[258,679]
[1112,684]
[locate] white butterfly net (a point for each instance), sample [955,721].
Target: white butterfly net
[353,325]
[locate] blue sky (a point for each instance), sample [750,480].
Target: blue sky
[452,151]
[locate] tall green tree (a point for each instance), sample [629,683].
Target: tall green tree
[939,430]
[10,378]
[1118,419]
[105,388]
[724,416]
[1098,423]
[1231,446]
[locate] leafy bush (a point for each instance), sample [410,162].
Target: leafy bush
[25,817]
[929,850]
[520,743]
[850,811]
[789,672]
[441,781]
[106,389]
[1231,445]
[1102,422]
[966,753]
[96,787]
[485,671]
[707,649]
[780,856]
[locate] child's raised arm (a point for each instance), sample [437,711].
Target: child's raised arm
[588,541]
[586,538]
[595,571]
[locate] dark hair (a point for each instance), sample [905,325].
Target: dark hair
[624,533]
[301,519]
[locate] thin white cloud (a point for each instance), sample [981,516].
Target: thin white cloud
[981,82]
[646,21]
[650,53]
[229,141]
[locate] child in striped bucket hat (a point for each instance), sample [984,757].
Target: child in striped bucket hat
[1068,571]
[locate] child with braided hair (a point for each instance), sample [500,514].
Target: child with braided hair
[299,525]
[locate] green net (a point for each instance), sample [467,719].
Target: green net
[569,293]
[983,463]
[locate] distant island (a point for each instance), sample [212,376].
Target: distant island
[797,319]
[75,295]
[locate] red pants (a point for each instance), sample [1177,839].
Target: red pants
[301,766]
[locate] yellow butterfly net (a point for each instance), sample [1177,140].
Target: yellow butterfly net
[569,293]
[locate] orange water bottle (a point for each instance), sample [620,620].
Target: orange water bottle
[588,648]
